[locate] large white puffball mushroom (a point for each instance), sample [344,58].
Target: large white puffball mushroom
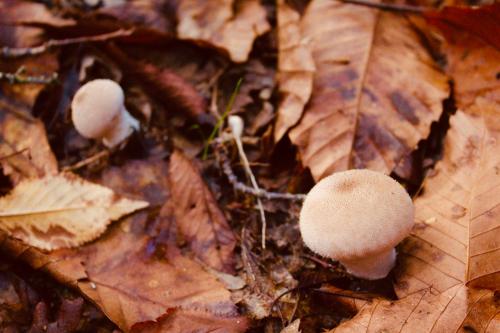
[98,112]
[357,217]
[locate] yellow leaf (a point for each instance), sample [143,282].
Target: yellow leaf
[61,211]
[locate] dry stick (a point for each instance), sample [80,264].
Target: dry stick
[19,77]
[239,186]
[87,161]
[387,6]
[8,52]
[13,154]
[246,166]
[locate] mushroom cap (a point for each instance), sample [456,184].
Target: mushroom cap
[96,107]
[354,214]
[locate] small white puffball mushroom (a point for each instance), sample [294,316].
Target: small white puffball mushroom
[357,217]
[98,112]
[236,125]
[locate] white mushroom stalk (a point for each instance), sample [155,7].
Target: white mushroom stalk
[236,124]
[357,217]
[98,112]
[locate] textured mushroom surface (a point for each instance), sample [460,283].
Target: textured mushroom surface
[355,213]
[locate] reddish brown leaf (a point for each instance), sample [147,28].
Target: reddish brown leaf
[474,67]
[168,87]
[198,218]
[483,22]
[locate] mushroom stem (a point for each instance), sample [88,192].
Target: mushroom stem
[372,267]
[126,124]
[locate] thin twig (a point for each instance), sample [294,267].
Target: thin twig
[87,161]
[323,263]
[20,77]
[13,154]
[261,193]
[8,52]
[387,6]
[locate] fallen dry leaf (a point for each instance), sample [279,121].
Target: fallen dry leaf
[456,238]
[376,90]
[454,246]
[61,211]
[133,289]
[483,21]
[134,283]
[163,84]
[153,14]
[473,66]
[198,217]
[459,309]
[216,23]
[24,148]
[295,69]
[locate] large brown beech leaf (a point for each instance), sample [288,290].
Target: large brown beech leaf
[456,239]
[136,282]
[198,218]
[216,23]
[449,268]
[375,93]
[454,247]
[457,235]
[296,69]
